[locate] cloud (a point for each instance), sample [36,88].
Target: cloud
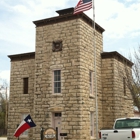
[118,19]
[5,75]
[18,27]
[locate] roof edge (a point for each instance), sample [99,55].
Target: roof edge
[65,15]
[22,56]
[115,54]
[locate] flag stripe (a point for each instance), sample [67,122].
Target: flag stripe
[20,125]
[24,126]
[82,6]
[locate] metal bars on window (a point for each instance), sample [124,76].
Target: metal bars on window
[91,124]
[57,81]
[91,82]
[25,85]
[124,86]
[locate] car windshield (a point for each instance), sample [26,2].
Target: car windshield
[127,123]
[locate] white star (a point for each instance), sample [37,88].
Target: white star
[29,120]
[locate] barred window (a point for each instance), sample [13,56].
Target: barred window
[91,124]
[25,85]
[91,82]
[124,86]
[57,81]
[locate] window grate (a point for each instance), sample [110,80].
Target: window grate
[57,81]
[25,85]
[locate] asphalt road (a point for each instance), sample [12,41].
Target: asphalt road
[3,138]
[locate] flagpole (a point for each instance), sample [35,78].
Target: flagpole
[95,75]
[17,127]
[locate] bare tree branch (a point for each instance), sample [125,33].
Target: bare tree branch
[3,103]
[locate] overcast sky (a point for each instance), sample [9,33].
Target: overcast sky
[119,18]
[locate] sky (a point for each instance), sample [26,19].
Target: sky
[119,18]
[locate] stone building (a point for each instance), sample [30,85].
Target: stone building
[59,83]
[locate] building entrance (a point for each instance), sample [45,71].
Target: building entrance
[57,123]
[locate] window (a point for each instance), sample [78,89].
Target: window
[57,81]
[25,133]
[91,124]
[25,85]
[91,82]
[124,86]
[127,123]
[57,114]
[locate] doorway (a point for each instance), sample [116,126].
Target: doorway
[57,123]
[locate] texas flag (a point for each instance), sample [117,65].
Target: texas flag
[24,125]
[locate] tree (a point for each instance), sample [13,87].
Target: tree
[134,85]
[3,104]
[2,111]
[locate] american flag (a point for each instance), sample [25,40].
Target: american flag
[83,5]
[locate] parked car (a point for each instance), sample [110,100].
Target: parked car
[123,129]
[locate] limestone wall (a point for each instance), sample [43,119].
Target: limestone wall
[125,102]
[75,60]
[20,103]
[115,103]
[87,63]
[68,61]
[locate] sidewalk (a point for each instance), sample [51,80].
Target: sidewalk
[3,138]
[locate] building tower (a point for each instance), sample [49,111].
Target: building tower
[64,66]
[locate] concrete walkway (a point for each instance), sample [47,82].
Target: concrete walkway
[3,138]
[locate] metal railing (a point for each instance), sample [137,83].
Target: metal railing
[3,132]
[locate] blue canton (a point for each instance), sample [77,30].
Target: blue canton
[85,1]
